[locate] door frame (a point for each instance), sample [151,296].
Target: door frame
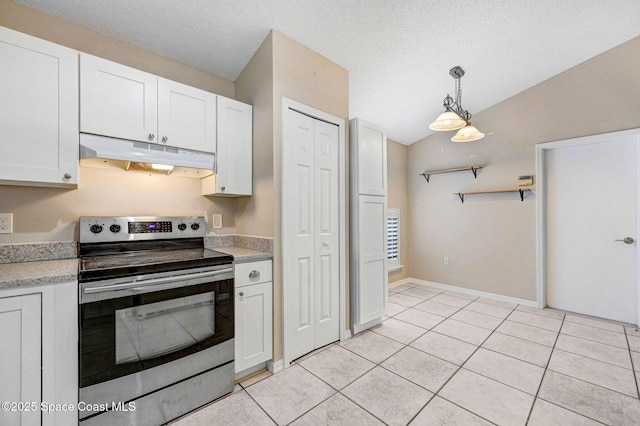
[287,104]
[541,205]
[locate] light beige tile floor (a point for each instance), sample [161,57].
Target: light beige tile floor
[447,358]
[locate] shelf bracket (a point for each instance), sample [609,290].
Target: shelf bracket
[461,195]
[475,172]
[426,176]
[521,194]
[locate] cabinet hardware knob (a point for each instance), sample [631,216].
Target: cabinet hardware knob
[242,293]
[67,176]
[151,136]
[165,139]
[628,240]
[222,188]
[254,274]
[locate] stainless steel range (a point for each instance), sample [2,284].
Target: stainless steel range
[156,320]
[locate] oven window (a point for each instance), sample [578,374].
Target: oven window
[148,331]
[125,335]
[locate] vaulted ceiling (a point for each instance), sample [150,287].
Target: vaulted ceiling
[398,52]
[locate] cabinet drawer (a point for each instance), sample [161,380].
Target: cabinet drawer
[252,273]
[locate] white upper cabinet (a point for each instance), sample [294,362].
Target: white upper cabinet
[371,157]
[117,101]
[38,112]
[127,103]
[234,154]
[186,116]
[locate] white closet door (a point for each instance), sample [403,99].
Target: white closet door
[298,210]
[327,234]
[311,233]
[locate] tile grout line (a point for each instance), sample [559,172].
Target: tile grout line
[633,370]
[458,370]
[260,406]
[575,378]
[546,368]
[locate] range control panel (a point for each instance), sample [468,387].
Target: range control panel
[131,228]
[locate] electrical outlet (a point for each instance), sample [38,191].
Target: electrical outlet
[216,222]
[446,261]
[6,223]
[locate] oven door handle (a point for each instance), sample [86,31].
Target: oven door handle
[144,284]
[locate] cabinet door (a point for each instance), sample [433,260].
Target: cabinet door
[235,144]
[186,116]
[20,362]
[117,101]
[38,111]
[253,325]
[371,157]
[372,258]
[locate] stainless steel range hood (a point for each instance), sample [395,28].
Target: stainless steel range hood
[93,146]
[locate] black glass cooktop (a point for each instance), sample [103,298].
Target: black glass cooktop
[115,260]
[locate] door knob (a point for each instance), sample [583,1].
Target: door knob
[628,240]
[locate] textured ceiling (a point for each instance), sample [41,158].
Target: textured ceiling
[398,52]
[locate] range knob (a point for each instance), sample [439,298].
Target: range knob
[96,229]
[114,228]
[195,226]
[182,226]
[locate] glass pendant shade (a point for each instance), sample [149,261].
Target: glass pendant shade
[448,120]
[467,134]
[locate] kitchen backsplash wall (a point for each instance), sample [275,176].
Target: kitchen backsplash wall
[49,214]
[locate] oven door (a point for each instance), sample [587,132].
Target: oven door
[152,322]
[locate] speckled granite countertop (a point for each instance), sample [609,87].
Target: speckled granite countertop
[29,274]
[242,255]
[33,264]
[243,248]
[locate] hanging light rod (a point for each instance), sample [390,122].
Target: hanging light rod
[455,117]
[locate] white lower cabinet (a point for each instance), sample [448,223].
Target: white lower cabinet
[39,356]
[253,315]
[20,362]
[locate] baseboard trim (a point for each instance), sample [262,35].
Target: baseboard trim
[275,366]
[400,282]
[346,335]
[531,303]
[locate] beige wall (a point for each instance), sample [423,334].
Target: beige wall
[255,215]
[38,24]
[490,239]
[397,198]
[303,75]
[282,68]
[45,214]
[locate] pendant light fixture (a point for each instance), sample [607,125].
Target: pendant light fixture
[455,117]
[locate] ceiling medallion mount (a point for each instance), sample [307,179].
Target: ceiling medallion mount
[455,117]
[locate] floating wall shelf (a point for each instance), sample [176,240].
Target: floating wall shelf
[474,170]
[521,191]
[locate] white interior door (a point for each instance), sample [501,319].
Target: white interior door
[311,233]
[327,233]
[592,201]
